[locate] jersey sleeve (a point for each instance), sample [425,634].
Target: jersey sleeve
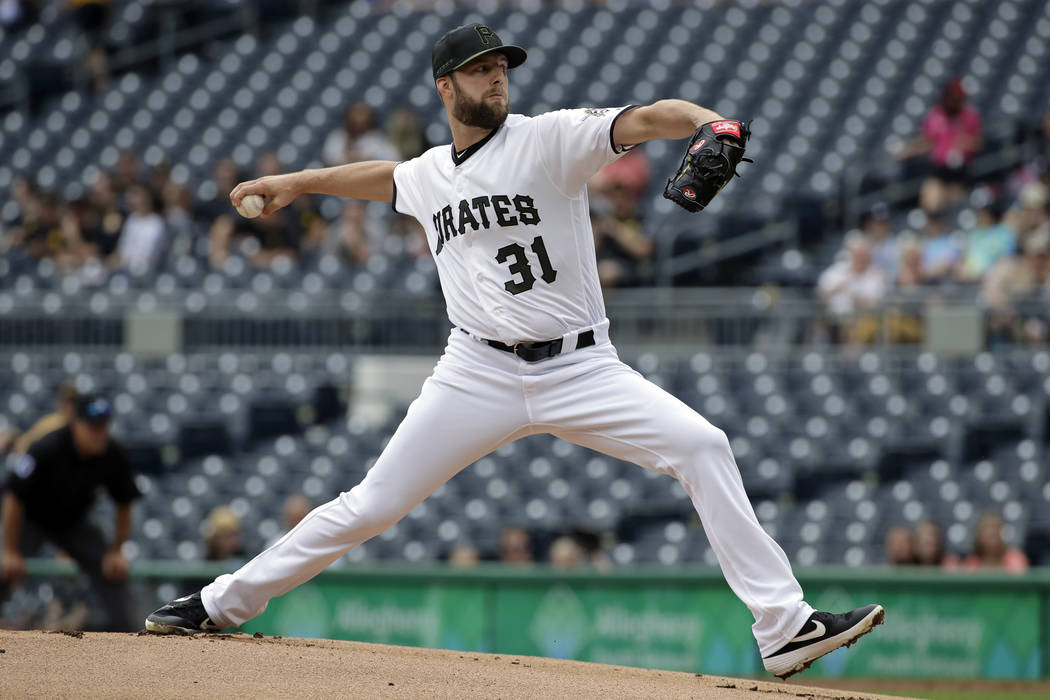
[574,144]
[406,199]
[120,480]
[27,474]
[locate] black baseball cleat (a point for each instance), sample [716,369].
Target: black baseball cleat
[822,633]
[184,615]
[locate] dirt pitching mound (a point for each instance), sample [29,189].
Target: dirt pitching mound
[42,664]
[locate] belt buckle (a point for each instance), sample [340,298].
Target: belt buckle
[516,351]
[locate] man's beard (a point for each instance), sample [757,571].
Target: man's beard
[483,115]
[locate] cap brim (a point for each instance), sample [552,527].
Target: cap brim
[515,57]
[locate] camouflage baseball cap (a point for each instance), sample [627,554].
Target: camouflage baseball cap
[463,44]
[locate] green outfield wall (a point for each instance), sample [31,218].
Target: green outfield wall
[938,625]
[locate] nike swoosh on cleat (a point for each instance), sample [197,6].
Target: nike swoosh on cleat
[817,632]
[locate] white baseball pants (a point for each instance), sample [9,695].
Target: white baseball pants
[480,398]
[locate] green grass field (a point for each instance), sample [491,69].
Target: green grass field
[945,689]
[931,694]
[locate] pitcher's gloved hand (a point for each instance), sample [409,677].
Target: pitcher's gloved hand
[710,162]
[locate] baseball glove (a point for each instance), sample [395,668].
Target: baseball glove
[709,163]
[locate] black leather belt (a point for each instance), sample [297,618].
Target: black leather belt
[540,350]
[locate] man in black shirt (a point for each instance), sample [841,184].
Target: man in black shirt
[49,495]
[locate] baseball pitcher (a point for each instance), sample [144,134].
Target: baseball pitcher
[506,216]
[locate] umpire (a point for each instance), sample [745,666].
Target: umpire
[49,494]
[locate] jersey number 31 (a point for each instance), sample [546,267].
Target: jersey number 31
[520,266]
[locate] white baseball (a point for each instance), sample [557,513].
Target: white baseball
[251,206]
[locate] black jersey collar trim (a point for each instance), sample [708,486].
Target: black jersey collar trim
[461,157]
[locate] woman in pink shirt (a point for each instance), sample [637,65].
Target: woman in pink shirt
[951,135]
[990,551]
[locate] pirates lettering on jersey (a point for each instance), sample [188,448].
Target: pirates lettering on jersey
[483,212]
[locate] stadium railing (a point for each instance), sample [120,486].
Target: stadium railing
[683,318]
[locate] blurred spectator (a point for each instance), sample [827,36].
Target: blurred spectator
[24,196]
[358,139]
[991,240]
[909,269]
[951,136]
[405,132]
[275,235]
[92,17]
[991,551]
[1030,214]
[1014,281]
[222,535]
[225,175]
[38,230]
[159,177]
[904,313]
[22,190]
[878,228]
[566,554]
[350,236]
[65,407]
[515,546]
[49,496]
[301,221]
[940,250]
[357,235]
[623,249]
[217,214]
[220,235]
[899,547]
[268,164]
[464,556]
[405,239]
[1038,167]
[593,550]
[142,239]
[80,227]
[103,233]
[631,172]
[849,288]
[305,222]
[834,284]
[295,508]
[126,174]
[929,546]
[178,221]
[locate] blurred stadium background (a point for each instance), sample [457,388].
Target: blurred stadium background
[252,362]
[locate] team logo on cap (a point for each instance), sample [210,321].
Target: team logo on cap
[98,407]
[689,193]
[696,146]
[484,33]
[24,466]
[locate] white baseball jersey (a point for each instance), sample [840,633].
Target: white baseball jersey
[507,221]
[508,218]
